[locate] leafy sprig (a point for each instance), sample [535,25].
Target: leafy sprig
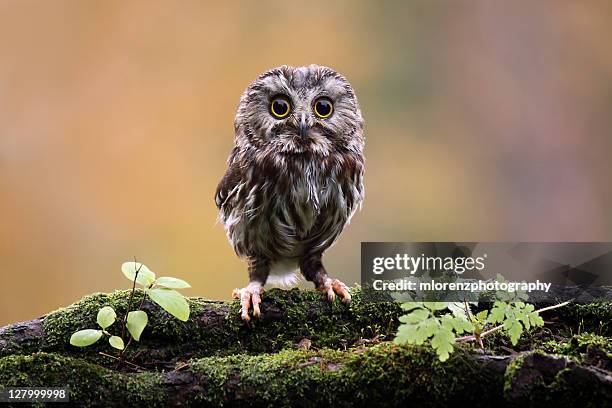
[515,317]
[426,321]
[422,323]
[160,290]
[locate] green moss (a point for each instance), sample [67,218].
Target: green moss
[383,375]
[60,324]
[215,328]
[307,314]
[90,385]
[511,371]
[586,348]
[595,317]
[581,343]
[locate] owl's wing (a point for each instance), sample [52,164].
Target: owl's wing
[228,185]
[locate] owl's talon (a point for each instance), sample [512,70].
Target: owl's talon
[335,287]
[342,290]
[250,295]
[331,295]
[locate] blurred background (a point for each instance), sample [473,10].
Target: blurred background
[485,120]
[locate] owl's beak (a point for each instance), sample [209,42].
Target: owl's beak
[303,127]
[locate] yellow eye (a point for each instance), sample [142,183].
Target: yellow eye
[280,107]
[323,108]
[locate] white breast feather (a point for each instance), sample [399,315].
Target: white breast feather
[284,273]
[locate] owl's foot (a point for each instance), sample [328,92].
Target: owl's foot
[335,287]
[250,295]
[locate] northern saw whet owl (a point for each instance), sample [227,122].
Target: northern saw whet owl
[294,178]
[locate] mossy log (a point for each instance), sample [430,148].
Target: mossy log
[214,328]
[216,359]
[382,375]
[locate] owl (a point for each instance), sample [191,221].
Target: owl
[294,178]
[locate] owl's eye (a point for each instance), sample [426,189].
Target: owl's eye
[323,108]
[280,107]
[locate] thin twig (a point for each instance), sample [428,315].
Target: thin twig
[123,361]
[181,367]
[121,358]
[553,306]
[501,326]
[144,297]
[126,346]
[130,299]
[508,349]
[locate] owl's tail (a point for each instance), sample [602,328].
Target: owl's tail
[284,274]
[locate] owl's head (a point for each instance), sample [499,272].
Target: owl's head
[301,110]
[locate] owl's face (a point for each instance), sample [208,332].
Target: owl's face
[291,110]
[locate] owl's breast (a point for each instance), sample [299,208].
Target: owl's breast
[288,212]
[314,210]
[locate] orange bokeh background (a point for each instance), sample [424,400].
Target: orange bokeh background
[485,120]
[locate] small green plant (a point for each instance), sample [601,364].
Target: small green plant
[429,321]
[160,290]
[422,323]
[515,317]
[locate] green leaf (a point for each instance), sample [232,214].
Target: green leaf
[498,313]
[136,322]
[514,329]
[171,301]
[442,342]
[106,317]
[426,329]
[421,324]
[84,338]
[405,334]
[457,308]
[461,325]
[145,276]
[435,305]
[417,332]
[536,320]
[173,283]
[523,318]
[116,342]
[482,316]
[408,306]
[415,316]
